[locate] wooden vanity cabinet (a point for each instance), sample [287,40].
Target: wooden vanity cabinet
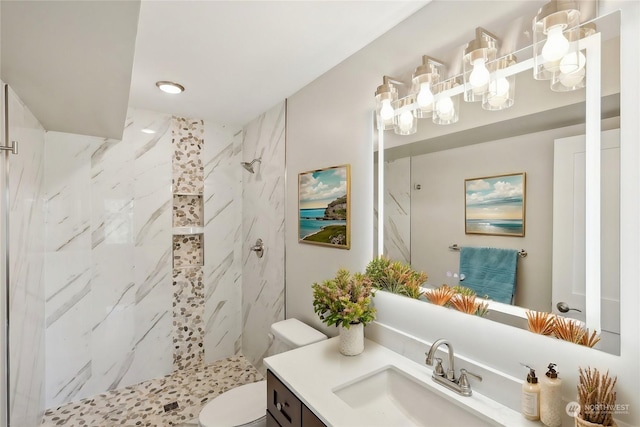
[284,409]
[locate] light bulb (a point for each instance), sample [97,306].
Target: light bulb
[498,92]
[386,111]
[405,121]
[479,77]
[572,62]
[444,108]
[425,96]
[556,45]
[572,80]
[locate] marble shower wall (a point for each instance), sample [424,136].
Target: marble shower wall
[222,270]
[108,259]
[263,217]
[115,307]
[26,265]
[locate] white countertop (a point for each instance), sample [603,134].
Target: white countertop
[314,371]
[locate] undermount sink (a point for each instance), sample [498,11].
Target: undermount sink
[393,397]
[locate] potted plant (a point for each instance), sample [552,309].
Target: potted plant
[596,397]
[345,301]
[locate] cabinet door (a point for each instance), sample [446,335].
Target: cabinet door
[282,403]
[271,422]
[309,419]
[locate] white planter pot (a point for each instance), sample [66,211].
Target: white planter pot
[352,339]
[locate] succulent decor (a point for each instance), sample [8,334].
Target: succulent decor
[396,277]
[344,300]
[596,397]
[541,322]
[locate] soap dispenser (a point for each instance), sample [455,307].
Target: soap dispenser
[531,396]
[551,398]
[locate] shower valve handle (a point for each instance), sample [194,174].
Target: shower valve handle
[258,248]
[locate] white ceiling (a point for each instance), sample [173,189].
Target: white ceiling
[239,58]
[73,62]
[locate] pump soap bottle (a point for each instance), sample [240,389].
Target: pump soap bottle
[531,396]
[551,398]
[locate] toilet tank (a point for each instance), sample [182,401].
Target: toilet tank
[292,333]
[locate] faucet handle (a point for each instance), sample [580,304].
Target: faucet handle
[463,381]
[438,370]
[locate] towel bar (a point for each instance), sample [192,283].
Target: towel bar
[521,253]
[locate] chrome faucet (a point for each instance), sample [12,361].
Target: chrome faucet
[448,379]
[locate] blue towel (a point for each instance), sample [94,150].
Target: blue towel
[490,272]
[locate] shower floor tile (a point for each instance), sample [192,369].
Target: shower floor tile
[144,404]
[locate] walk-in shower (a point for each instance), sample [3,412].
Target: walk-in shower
[249,165]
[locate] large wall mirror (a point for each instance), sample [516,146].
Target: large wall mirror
[571,227]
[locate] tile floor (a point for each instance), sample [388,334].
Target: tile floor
[143,404]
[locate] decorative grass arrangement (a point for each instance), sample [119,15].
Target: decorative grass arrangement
[541,322]
[395,276]
[441,295]
[568,330]
[469,304]
[596,397]
[590,340]
[572,331]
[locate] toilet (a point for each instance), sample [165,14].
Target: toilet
[246,405]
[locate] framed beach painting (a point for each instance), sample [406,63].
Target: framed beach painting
[324,204]
[495,205]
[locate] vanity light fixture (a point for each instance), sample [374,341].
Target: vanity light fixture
[555,36]
[446,107]
[476,60]
[574,80]
[170,87]
[424,81]
[148,131]
[386,96]
[501,92]
[406,123]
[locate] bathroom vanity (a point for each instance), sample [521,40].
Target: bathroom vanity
[316,385]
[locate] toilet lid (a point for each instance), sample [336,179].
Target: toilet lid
[238,406]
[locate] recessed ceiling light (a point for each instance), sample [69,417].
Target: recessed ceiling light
[170,87]
[147,130]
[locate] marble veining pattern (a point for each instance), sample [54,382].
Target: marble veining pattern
[397,209]
[223,243]
[108,259]
[143,404]
[263,217]
[26,266]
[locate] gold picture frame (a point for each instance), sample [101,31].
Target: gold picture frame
[495,205]
[324,207]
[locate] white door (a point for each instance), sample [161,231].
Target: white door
[568,270]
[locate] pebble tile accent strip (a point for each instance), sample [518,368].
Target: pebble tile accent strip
[188,315]
[188,169]
[143,404]
[187,211]
[187,250]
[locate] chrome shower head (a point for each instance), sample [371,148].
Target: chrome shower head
[249,165]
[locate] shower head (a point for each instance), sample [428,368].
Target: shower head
[249,165]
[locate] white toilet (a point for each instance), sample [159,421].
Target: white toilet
[247,405]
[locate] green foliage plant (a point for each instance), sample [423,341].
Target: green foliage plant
[396,277]
[344,300]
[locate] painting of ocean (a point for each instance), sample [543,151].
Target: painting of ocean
[495,205]
[310,224]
